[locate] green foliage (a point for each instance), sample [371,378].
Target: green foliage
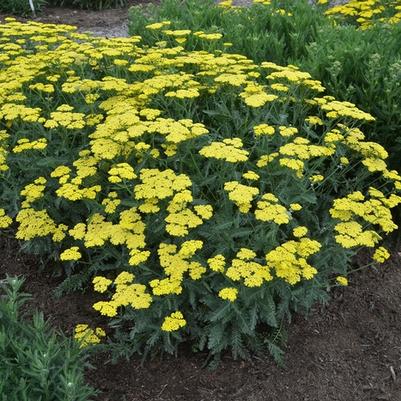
[361,66]
[36,364]
[364,67]
[259,32]
[89,4]
[20,7]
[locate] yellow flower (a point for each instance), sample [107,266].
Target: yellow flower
[229,150]
[342,280]
[381,254]
[251,175]
[71,254]
[316,178]
[229,293]
[296,207]
[241,195]
[264,129]
[5,221]
[268,209]
[87,336]
[173,322]
[100,284]
[300,231]
[217,263]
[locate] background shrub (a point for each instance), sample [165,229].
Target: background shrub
[361,66]
[89,4]
[364,67]
[36,364]
[275,33]
[20,7]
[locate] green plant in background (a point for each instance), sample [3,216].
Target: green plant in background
[35,363]
[361,66]
[365,13]
[278,32]
[21,7]
[89,4]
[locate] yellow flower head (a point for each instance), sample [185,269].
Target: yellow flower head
[173,322]
[229,293]
[342,280]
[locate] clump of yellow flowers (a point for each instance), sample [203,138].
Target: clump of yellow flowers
[87,336]
[200,193]
[366,13]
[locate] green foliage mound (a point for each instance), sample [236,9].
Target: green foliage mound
[35,363]
[204,196]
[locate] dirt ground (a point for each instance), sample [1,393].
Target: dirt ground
[347,351]
[110,23]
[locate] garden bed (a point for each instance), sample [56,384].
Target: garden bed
[348,350]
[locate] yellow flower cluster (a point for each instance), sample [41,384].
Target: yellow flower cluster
[373,211]
[335,109]
[230,150]
[4,136]
[120,172]
[208,36]
[25,144]
[64,117]
[243,266]
[230,294]
[342,280]
[241,195]
[33,192]
[175,264]
[100,284]
[71,254]
[291,75]
[217,263]
[5,221]
[381,254]
[269,209]
[264,129]
[87,336]
[37,223]
[173,322]
[289,260]
[366,12]
[251,176]
[254,95]
[127,293]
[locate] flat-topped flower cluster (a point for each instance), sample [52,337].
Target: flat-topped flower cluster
[366,13]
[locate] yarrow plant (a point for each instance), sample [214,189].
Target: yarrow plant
[365,13]
[203,196]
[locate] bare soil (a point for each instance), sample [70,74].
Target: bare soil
[349,350]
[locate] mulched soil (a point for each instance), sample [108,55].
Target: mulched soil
[349,350]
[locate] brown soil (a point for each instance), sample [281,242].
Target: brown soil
[110,23]
[348,351]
